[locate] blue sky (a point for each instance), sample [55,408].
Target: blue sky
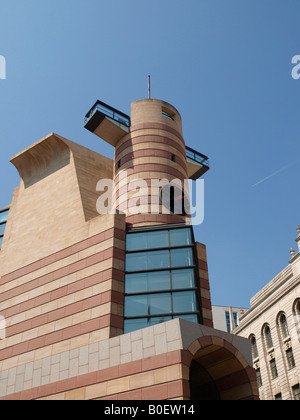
[225,65]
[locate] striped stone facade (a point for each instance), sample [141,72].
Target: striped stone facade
[149,364]
[62,271]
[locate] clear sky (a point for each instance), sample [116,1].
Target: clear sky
[225,65]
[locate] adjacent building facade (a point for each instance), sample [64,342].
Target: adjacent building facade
[104,289]
[272,324]
[227,318]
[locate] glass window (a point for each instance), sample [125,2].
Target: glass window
[273,367]
[228,321]
[284,326]
[259,379]
[254,347]
[135,283]
[296,392]
[290,358]
[160,303]
[136,241]
[235,317]
[147,282]
[153,275]
[4,216]
[191,318]
[136,305]
[2,229]
[159,319]
[181,257]
[135,324]
[180,237]
[143,305]
[184,301]
[139,323]
[183,279]
[268,337]
[147,240]
[1,239]
[157,239]
[143,261]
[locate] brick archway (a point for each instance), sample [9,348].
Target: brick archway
[218,371]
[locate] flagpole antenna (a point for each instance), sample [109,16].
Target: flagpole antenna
[149,87]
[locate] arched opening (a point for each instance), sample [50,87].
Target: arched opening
[202,385]
[218,371]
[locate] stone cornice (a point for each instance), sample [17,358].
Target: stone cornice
[270,299]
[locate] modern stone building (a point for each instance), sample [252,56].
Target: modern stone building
[100,303]
[272,324]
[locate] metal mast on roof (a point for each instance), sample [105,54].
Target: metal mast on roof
[149,96]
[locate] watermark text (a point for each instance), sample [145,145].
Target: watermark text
[2,67]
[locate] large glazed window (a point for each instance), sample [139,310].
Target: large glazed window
[160,279]
[3,220]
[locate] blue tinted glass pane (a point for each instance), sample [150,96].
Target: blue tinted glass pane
[184,302]
[160,303]
[159,320]
[1,239]
[147,260]
[135,324]
[135,283]
[191,318]
[4,216]
[183,279]
[147,282]
[181,257]
[158,239]
[136,241]
[2,229]
[147,240]
[135,262]
[136,305]
[158,259]
[159,280]
[180,237]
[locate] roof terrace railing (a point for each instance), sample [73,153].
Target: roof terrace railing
[197,157]
[108,111]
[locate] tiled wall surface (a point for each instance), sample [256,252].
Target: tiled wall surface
[153,362]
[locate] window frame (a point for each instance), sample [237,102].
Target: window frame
[5,210]
[171,291]
[296,392]
[290,358]
[273,368]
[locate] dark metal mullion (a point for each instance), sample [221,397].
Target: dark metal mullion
[170,265]
[155,292]
[162,315]
[151,270]
[164,248]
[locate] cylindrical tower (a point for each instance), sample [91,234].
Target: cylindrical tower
[150,156]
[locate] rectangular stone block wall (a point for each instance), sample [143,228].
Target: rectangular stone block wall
[65,301]
[204,285]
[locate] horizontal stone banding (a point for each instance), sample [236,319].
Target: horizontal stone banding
[155,146]
[72,268]
[126,370]
[152,153]
[158,126]
[155,218]
[150,139]
[67,310]
[64,291]
[165,171]
[61,335]
[110,233]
